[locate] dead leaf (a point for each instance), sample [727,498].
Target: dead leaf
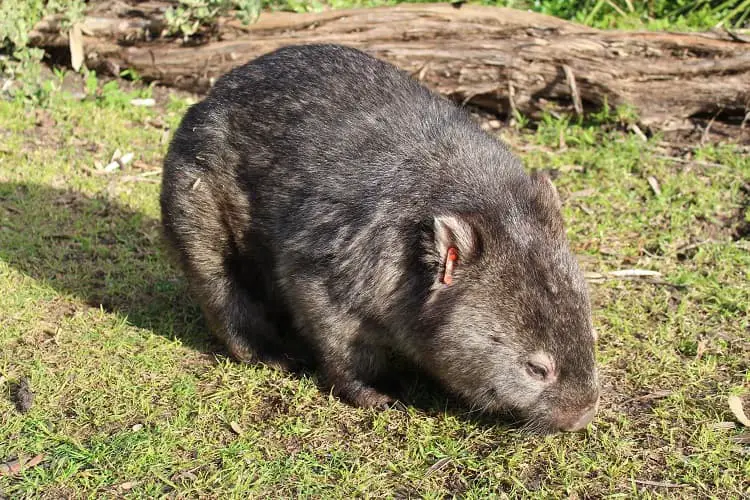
[10,468]
[236,428]
[75,38]
[137,427]
[735,404]
[723,425]
[654,185]
[148,102]
[16,465]
[184,477]
[437,465]
[34,461]
[125,159]
[127,485]
[741,439]
[700,350]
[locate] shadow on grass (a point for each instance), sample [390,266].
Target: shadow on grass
[113,257]
[108,255]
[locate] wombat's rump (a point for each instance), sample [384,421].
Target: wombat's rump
[320,190]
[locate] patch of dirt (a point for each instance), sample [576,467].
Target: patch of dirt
[292,446]
[48,327]
[730,226]
[270,406]
[455,483]
[60,308]
[44,134]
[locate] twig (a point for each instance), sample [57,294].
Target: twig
[643,275]
[618,9]
[512,98]
[704,136]
[685,248]
[692,162]
[661,484]
[138,178]
[649,396]
[734,36]
[437,466]
[422,71]
[634,273]
[637,130]
[570,77]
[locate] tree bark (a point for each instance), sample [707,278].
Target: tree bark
[502,60]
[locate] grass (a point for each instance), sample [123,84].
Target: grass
[132,398]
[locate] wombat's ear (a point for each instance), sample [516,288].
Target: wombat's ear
[457,232]
[545,191]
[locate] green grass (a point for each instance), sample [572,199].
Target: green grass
[132,398]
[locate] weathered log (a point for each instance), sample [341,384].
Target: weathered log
[498,59]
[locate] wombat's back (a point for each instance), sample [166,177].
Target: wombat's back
[339,122]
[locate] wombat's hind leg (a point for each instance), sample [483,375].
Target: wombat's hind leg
[206,235]
[241,324]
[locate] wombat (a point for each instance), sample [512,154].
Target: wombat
[319,190]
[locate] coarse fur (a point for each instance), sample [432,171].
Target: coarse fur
[316,190]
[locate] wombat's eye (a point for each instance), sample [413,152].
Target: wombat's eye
[536,370]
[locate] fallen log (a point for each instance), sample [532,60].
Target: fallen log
[499,59]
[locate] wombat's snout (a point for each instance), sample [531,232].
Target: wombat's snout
[573,422]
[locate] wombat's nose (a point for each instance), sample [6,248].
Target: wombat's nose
[574,425]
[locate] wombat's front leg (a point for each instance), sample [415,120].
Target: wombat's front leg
[347,385]
[350,362]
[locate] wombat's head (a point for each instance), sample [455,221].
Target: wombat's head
[510,311]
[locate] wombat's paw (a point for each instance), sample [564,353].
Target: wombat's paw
[284,363]
[240,351]
[367,397]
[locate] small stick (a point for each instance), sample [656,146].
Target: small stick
[570,77]
[637,130]
[660,483]
[704,136]
[618,9]
[691,162]
[512,96]
[696,245]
